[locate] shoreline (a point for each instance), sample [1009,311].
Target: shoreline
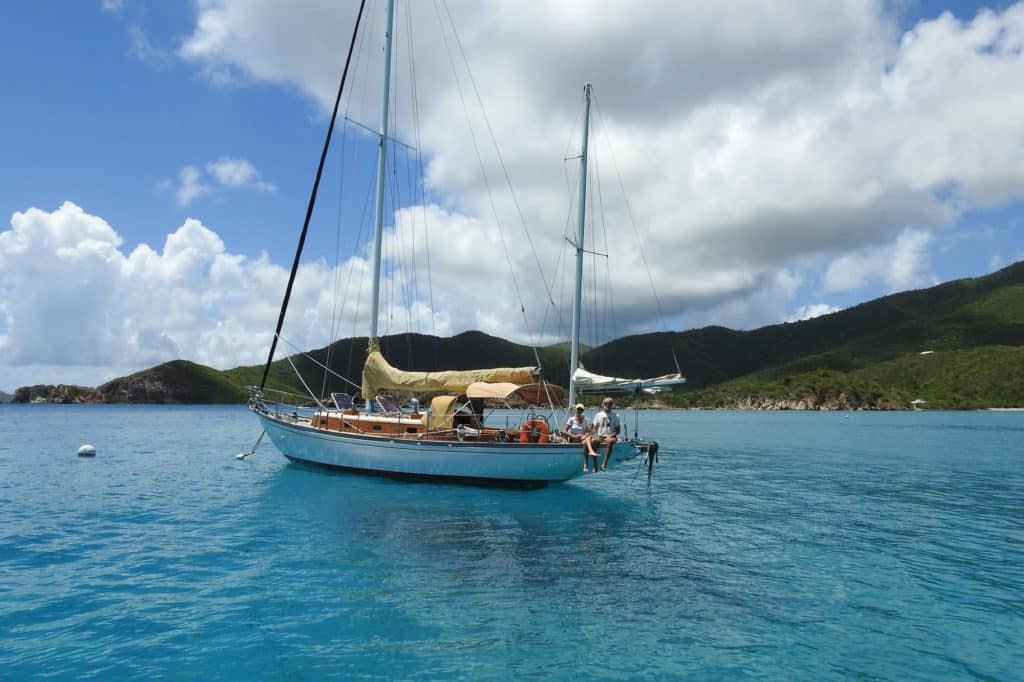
[666,408]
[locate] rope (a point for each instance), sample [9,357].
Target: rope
[243,455]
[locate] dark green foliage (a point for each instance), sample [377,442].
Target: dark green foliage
[971,378]
[413,352]
[178,382]
[961,314]
[860,357]
[867,356]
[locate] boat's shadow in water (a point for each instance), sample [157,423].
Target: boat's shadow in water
[420,478]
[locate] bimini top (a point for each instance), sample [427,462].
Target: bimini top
[533,394]
[588,382]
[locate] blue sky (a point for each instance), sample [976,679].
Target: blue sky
[92,120]
[773,172]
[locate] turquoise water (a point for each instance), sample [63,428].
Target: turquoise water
[770,545]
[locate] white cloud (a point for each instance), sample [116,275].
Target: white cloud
[807,312]
[224,173]
[999,261]
[751,138]
[144,50]
[112,5]
[190,186]
[71,297]
[900,265]
[238,173]
[756,143]
[756,306]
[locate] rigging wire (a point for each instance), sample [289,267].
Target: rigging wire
[487,184]
[632,221]
[337,259]
[411,178]
[363,228]
[403,257]
[569,235]
[304,384]
[608,321]
[358,95]
[389,257]
[419,160]
[312,199]
[497,150]
[480,162]
[338,309]
[560,256]
[305,354]
[590,293]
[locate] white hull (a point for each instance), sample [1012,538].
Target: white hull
[507,463]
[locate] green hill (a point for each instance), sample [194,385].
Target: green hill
[178,382]
[967,313]
[5,397]
[867,356]
[971,378]
[414,352]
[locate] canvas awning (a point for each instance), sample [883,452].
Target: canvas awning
[534,394]
[442,409]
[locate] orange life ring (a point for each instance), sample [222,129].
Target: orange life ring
[534,431]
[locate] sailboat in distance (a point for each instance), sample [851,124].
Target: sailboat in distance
[447,439]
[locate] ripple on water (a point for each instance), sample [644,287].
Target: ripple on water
[785,545]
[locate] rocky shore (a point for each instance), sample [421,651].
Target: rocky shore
[60,393]
[172,383]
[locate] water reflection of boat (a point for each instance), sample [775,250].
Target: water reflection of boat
[419,518]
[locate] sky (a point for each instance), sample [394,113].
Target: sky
[751,164]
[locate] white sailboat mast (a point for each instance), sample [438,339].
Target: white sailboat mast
[578,294]
[382,148]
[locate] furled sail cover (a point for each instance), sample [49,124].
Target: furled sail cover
[588,382]
[379,376]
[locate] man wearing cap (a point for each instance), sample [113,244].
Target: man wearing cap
[578,429]
[606,426]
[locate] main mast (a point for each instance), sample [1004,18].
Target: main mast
[382,147]
[578,294]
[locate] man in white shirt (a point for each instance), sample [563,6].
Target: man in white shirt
[606,427]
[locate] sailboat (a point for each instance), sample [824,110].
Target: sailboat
[448,440]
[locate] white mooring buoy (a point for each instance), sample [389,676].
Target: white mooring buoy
[87,451]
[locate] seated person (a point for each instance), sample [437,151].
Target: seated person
[578,429]
[606,424]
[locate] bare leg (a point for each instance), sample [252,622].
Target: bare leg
[609,444]
[588,449]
